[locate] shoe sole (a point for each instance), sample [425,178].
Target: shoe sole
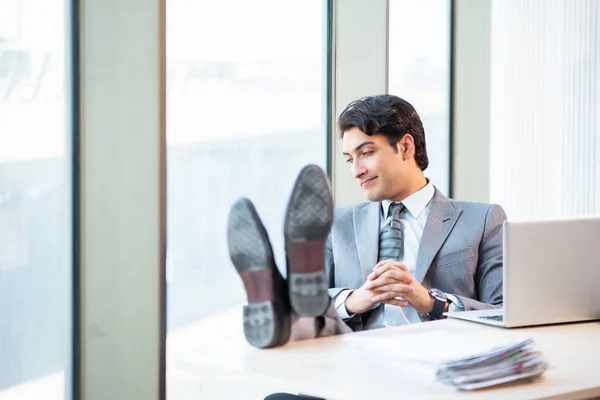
[266,317]
[308,222]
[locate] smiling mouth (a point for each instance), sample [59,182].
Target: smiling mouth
[367,182]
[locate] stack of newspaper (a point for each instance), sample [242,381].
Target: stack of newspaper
[516,362]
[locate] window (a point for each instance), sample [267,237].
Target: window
[245,112]
[419,72]
[35,201]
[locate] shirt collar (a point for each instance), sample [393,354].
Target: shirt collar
[415,203]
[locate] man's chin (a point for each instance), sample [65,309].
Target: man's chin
[373,196]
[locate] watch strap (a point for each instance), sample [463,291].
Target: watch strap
[438,307]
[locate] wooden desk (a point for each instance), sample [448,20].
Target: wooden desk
[336,368]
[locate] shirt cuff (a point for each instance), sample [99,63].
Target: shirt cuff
[340,304]
[455,303]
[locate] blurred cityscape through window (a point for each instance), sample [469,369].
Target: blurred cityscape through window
[35,199]
[245,112]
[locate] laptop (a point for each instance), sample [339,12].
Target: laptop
[551,274]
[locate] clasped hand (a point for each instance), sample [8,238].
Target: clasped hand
[391,283]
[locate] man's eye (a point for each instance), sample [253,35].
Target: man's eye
[349,160]
[366,153]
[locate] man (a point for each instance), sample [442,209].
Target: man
[406,256]
[448,254]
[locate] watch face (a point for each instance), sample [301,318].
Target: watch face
[438,294]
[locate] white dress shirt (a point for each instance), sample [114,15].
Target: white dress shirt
[413,219]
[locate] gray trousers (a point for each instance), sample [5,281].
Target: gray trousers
[313,327]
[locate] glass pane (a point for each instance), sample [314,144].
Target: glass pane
[419,72]
[35,202]
[245,112]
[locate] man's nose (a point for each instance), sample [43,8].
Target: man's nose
[358,170]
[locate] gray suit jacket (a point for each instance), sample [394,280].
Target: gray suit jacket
[460,251]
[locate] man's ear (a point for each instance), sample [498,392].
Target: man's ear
[407,146]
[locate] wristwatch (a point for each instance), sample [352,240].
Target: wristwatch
[440,299]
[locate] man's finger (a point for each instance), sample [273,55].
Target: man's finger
[387,264]
[397,288]
[401,276]
[396,302]
[387,280]
[378,271]
[373,285]
[390,262]
[382,263]
[383,297]
[391,272]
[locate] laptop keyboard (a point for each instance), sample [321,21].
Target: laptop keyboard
[493,317]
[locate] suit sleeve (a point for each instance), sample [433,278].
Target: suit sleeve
[488,277]
[330,268]
[338,295]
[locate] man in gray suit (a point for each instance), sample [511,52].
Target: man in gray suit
[406,256]
[447,254]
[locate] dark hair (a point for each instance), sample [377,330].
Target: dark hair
[389,115]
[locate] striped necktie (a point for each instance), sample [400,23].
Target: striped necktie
[391,246]
[390,238]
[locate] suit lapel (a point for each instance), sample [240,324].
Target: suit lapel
[440,222]
[366,233]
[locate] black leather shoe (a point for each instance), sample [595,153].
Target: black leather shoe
[308,222]
[267,315]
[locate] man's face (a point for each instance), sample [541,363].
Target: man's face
[379,168]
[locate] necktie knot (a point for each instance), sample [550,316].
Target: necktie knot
[395,211]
